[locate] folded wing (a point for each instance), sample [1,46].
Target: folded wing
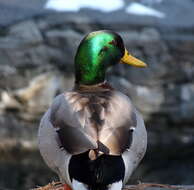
[102,121]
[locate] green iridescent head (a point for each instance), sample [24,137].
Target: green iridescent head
[96,52]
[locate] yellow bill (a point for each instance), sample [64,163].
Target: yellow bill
[129,59]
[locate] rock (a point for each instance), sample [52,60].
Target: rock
[185,113]
[21,35]
[28,57]
[187,92]
[148,100]
[66,40]
[58,58]
[23,46]
[26,32]
[81,22]
[63,38]
[34,99]
[148,46]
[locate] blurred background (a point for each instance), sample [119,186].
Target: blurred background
[38,41]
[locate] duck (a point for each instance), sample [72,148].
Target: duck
[92,136]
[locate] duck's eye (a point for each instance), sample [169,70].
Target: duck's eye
[104,49]
[113,42]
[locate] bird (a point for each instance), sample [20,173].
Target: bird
[92,136]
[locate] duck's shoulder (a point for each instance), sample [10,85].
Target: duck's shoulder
[121,98]
[75,101]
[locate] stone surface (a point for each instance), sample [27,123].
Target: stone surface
[65,40]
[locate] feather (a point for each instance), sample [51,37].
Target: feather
[99,120]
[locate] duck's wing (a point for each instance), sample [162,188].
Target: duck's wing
[66,120]
[102,121]
[119,124]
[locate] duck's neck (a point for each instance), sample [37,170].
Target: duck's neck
[89,68]
[97,87]
[89,74]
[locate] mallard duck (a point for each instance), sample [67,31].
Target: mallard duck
[92,136]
